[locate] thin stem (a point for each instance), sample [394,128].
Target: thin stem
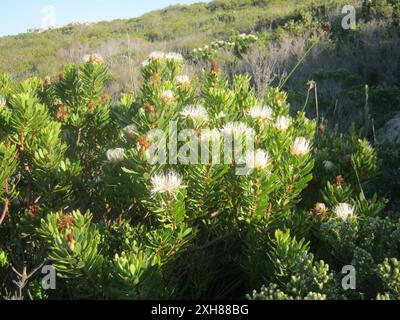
[6,202]
[316,102]
[130,63]
[306,102]
[297,65]
[335,108]
[357,176]
[366,112]
[77,141]
[373,130]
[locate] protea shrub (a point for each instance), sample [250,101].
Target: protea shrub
[191,188]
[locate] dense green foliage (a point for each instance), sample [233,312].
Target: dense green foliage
[115,225]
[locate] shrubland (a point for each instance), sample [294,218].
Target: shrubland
[80,190]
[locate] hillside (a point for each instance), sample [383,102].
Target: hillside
[174,27]
[343,62]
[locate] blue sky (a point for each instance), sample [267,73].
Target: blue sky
[17,16]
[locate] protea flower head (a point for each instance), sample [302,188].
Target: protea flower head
[174,56]
[329,165]
[282,123]
[195,112]
[156,55]
[261,113]
[130,131]
[2,103]
[233,129]
[166,183]
[221,115]
[115,155]
[145,63]
[344,211]
[93,58]
[168,97]
[320,210]
[311,84]
[258,159]
[300,147]
[182,79]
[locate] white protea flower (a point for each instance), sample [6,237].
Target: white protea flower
[156,55]
[145,63]
[344,211]
[300,147]
[282,123]
[115,155]
[233,129]
[258,159]
[221,115]
[94,58]
[174,56]
[261,113]
[329,165]
[2,103]
[130,131]
[182,79]
[168,96]
[195,112]
[169,183]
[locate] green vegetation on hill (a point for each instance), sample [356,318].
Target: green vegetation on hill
[179,27]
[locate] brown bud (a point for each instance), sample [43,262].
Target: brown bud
[61,76]
[62,113]
[215,68]
[143,142]
[95,58]
[70,237]
[320,210]
[148,107]
[66,222]
[33,211]
[90,106]
[47,80]
[104,98]
[339,181]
